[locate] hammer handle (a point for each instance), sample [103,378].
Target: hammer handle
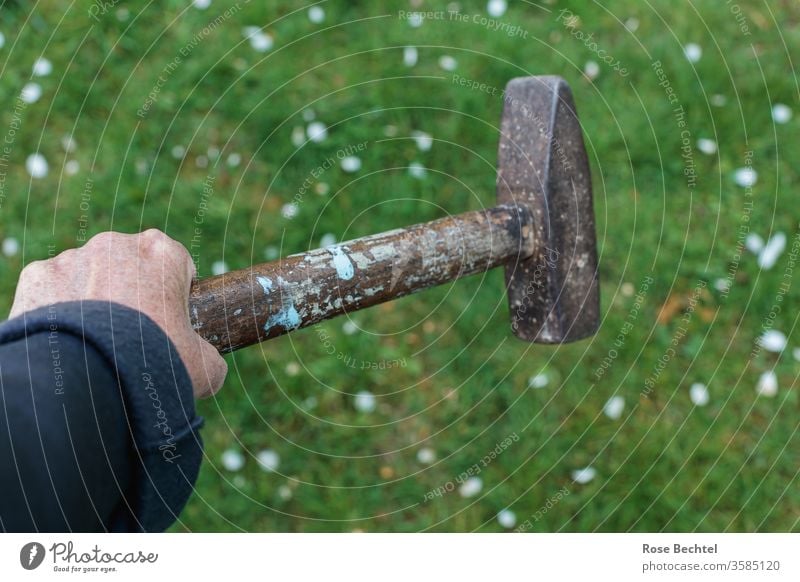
[248,306]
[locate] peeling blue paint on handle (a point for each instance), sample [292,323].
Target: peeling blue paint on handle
[342,263]
[265,283]
[288,318]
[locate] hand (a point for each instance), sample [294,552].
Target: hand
[148,272]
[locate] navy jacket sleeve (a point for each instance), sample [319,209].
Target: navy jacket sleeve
[97,424]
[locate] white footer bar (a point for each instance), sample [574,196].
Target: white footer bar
[401,557]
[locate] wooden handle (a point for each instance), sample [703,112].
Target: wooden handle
[241,308]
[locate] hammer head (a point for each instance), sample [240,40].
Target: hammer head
[542,165]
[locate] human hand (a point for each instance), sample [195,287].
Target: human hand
[149,272]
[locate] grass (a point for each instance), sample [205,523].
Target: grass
[666,464]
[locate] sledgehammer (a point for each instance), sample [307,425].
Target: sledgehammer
[542,232]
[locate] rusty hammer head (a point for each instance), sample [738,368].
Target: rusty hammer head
[542,165]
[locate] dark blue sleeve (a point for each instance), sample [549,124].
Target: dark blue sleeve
[98,430]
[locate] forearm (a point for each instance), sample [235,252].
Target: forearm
[97,425]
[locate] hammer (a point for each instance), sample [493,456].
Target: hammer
[542,232]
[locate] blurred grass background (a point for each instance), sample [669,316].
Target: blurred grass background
[464,383]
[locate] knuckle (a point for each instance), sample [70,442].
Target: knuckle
[47,265]
[64,256]
[182,255]
[162,244]
[157,240]
[35,265]
[34,268]
[102,238]
[152,235]
[66,261]
[152,242]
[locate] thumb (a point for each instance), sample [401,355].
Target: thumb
[213,369]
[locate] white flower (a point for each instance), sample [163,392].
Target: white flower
[309,114]
[233,460]
[219,267]
[292,369]
[496,8]
[410,56]
[540,380]
[268,460]
[212,152]
[10,246]
[745,177]
[31,92]
[365,401]
[72,167]
[285,492]
[796,354]
[415,20]
[772,251]
[42,67]
[289,210]
[632,24]
[259,40]
[298,136]
[448,63]
[201,161]
[722,285]
[773,340]
[767,384]
[234,159]
[781,113]
[350,164]
[693,52]
[424,140]
[718,100]
[471,487]
[316,14]
[317,131]
[707,146]
[2,40]
[583,476]
[201,4]
[698,393]
[178,152]
[417,170]
[614,407]
[36,165]
[591,69]
[754,243]
[69,144]
[271,253]
[507,518]
[426,455]
[349,327]
[322,188]
[327,240]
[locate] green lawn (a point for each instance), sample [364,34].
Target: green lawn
[135,88]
